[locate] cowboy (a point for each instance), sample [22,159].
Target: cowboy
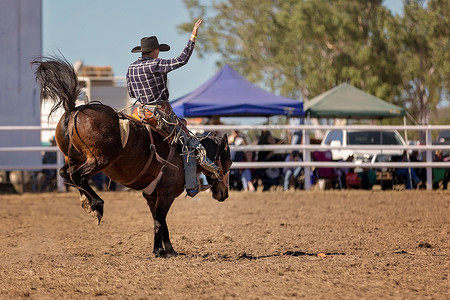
[147,82]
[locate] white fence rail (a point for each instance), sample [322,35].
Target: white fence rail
[37,167]
[305,148]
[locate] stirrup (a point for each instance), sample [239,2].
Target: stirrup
[194,191]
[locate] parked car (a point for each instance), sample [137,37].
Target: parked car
[350,137]
[443,139]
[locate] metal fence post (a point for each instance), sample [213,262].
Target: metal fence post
[307,158]
[59,179]
[429,158]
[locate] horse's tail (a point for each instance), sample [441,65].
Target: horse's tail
[58,82]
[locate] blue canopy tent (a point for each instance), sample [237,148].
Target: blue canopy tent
[227,94]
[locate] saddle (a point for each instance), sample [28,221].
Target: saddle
[153,154]
[162,119]
[148,118]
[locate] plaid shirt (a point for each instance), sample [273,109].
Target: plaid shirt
[147,77]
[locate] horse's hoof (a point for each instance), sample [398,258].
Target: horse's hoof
[97,215]
[164,254]
[171,254]
[85,204]
[160,252]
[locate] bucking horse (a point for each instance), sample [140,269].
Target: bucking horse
[94,138]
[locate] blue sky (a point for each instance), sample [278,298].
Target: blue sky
[103,32]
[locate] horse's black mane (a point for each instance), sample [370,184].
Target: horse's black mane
[224,152]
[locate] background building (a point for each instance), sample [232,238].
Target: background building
[20,42]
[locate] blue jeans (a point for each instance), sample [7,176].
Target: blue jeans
[287,176]
[405,174]
[246,177]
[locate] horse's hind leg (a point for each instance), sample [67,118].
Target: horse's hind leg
[161,231]
[80,177]
[64,172]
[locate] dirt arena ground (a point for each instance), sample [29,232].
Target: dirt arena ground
[376,244]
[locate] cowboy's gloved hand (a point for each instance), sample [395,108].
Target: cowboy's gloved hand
[198,147]
[201,152]
[193,143]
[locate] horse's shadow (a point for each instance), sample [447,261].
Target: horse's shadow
[256,257]
[288,253]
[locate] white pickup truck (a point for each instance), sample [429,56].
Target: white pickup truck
[350,137]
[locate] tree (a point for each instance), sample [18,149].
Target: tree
[422,36]
[300,49]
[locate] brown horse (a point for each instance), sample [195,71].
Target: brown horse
[91,140]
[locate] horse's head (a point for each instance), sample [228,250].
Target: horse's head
[218,151]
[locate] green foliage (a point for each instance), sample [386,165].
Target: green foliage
[300,49]
[423,52]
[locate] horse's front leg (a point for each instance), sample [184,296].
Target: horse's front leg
[166,240]
[161,231]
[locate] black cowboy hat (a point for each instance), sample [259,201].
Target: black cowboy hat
[148,44]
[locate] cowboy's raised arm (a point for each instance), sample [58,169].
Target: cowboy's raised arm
[195,30]
[167,65]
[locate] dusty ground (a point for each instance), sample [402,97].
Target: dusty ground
[252,246]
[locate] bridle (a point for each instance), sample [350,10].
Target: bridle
[224,178]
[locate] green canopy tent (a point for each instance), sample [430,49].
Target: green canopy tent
[346,101]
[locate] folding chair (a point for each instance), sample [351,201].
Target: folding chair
[329,174]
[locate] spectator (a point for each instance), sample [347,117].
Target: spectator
[368,178]
[296,137]
[291,172]
[420,172]
[271,177]
[408,174]
[246,174]
[236,139]
[236,156]
[352,180]
[343,171]
[266,138]
[440,174]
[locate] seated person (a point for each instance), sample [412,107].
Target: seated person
[291,172]
[343,171]
[368,178]
[247,174]
[408,174]
[420,172]
[440,174]
[267,176]
[352,180]
[270,177]
[236,156]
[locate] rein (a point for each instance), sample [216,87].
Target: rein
[224,178]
